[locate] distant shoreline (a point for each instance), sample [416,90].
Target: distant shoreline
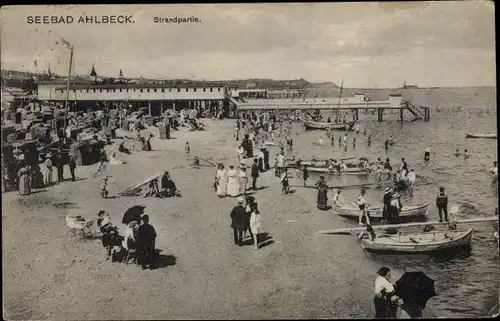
[261,83]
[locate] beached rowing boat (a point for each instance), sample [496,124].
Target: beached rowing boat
[418,242]
[467,135]
[311,125]
[407,212]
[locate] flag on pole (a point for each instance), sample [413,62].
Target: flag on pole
[36,66]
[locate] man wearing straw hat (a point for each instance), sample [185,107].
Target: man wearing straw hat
[395,208]
[387,203]
[242,174]
[238,215]
[48,169]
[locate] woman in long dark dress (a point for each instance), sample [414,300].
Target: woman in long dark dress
[305,174]
[261,160]
[322,199]
[266,160]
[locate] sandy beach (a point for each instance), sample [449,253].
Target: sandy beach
[202,274]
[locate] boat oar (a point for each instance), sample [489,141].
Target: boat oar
[358,229]
[206,161]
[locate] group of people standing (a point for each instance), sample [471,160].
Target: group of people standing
[388,305]
[403,178]
[234,181]
[392,206]
[27,178]
[138,237]
[246,219]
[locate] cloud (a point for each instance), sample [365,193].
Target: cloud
[370,43]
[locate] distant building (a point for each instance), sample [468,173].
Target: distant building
[156,96]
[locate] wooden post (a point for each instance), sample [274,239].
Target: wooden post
[357,114]
[401,114]
[149,106]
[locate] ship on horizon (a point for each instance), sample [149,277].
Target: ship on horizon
[405,86]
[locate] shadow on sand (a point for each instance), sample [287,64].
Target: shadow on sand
[38,191]
[263,239]
[163,261]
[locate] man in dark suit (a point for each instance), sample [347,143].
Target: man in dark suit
[58,160]
[146,240]
[238,215]
[72,166]
[254,173]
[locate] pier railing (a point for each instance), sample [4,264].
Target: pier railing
[355,106]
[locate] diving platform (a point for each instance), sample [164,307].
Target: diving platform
[394,103]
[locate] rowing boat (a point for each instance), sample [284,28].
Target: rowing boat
[467,135]
[310,125]
[362,184]
[323,163]
[349,230]
[340,159]
[418,242]
[407,212]
[350,171]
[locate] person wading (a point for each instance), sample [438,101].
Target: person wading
[442,205]
[387,203]
[362,208]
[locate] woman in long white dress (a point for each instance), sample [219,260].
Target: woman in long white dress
[129,234]
[233,186]
[48,169]
[243,179]
[255,224]
[220,177]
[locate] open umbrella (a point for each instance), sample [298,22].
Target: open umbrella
[133,214]
[415,288]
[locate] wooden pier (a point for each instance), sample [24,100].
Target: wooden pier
[419,112]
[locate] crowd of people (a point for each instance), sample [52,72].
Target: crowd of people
[137,240]
[31,176]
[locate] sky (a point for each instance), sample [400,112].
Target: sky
[364,44]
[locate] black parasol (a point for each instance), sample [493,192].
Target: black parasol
[133,214]
[415,288]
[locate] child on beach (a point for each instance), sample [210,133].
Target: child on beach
[305,174]
[379,173]
[285,189]
[101,167]
[187,150]
[336,199]
[104,188]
